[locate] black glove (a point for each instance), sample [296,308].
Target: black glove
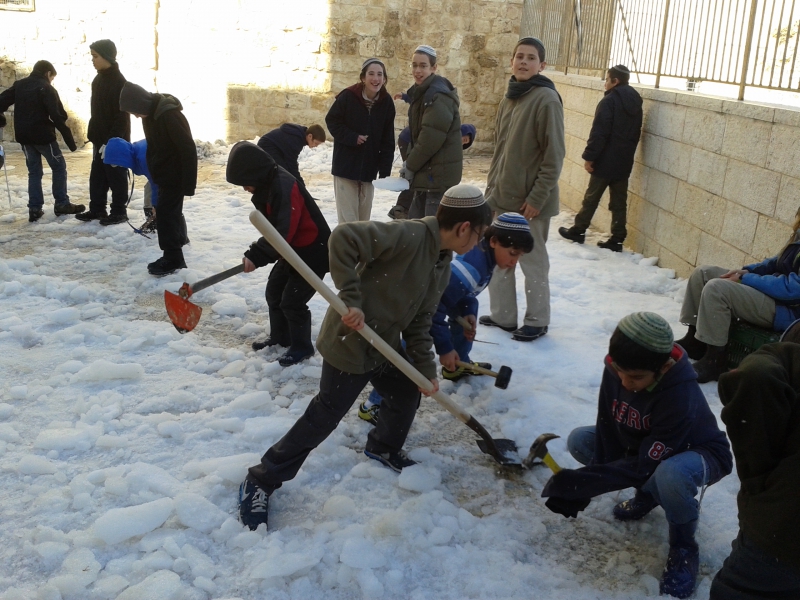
[568,508]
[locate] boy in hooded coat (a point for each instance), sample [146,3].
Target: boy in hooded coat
[172,159]
[294,213]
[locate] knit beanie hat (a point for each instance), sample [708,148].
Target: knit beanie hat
[463,196]
[649,330]
[511,222]
[424,49]
[106,49]
[135,99]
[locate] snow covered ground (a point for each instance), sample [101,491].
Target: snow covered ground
[122,442]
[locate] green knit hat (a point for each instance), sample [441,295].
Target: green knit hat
[649,330]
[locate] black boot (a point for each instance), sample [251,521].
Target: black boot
[683,561]
[301,348]
[572,234]
[712,365]
[694,347]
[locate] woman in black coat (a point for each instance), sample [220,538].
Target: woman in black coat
[362,123]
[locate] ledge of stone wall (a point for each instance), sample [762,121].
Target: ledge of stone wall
[715,181]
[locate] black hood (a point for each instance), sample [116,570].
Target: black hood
[164,102]
[249,165]
[631,100]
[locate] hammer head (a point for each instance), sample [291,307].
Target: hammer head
[538,449]
[503,377]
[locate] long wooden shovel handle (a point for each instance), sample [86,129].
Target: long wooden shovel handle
[209,281]
[284,249]
[475,368]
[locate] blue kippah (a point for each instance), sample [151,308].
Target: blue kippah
[511,222]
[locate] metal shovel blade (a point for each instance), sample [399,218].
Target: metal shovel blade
[183,314]
[503,451]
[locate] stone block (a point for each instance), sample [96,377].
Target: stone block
[637,183]
[635,240]
[770,237]
[749,110]
[642,215]
[707,170]
[675,158]
[739,226]
[784,150]
[365,28]
[713,251]
[788,200]
[785,116]
[704,103]
[747,140]
[668,260]
[651,247]
[700,208]
[661,189]
[657,95]
[751,186]
[667,121]
[649,150]
[473,42]
[367,48]
[704,129]
[677,236]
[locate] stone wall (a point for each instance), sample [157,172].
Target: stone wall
[246,67]
[715,181]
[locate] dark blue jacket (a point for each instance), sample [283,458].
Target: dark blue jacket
[637,430]
[615,133]
[778,277]
[107,119]
[349,118]
[122,153]
[284,145]
[469,275]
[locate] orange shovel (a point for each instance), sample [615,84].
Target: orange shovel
[185,315]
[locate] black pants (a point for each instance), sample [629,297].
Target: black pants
[618,205]
[424,204]
[405,198]
[171,225]
[337,393]
[287,296]
[102,178]
[750,574]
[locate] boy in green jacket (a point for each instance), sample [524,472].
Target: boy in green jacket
[391,276]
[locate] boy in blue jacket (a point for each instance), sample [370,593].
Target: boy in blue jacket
[654,432]
[505,240]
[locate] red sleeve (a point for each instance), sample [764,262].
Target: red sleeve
[298,206]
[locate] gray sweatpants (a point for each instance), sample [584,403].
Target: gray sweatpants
[710,304]
[536,269]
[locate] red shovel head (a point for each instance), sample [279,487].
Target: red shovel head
[183,314]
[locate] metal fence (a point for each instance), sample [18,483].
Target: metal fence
[740,42]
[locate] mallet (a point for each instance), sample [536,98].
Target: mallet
[539,450]
[502,377]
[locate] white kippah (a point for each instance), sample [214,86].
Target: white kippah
[463,196]
[423,49]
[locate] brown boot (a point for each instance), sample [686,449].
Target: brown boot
[712,365]
[694,347]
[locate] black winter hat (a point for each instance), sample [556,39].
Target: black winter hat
[135,99]
[107,49]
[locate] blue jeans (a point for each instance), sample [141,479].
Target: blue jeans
[674,483]
[33,160]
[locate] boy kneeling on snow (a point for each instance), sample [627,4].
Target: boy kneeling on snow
[654,432]
[391,276]
[296,216]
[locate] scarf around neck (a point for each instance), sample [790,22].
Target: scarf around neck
[519,88]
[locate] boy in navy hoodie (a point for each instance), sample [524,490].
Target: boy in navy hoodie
[654,432]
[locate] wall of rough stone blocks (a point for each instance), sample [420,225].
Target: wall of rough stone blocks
[242,68]
[715,181]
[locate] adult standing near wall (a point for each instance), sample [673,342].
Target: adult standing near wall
[362,123]
[38,114]
[107,121]
[523,177]
[608,157]
[435,158]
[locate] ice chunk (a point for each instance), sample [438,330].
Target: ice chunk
[161,585]
[419,479]
[233,369]
[30,464]
[79,438]
[144,476]
[8,433]
[171,429]
[339,506]
[231,468]
[313,372]
[196,512]
[371,587]
[103,370]
[71,366]
[120,524]
[109,587]
[78,570]
[360,553]
[52,553]
[26,335]
[285,564]
[250,401]
[231,305]
[64,316]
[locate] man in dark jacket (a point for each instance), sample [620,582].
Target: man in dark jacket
[107,121]
[286,143]
[609,152]
[761,409]
[172,159]
[296,216]
[38,114]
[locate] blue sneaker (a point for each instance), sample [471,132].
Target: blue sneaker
[635,508]
[396,461]
[683,561]
[253,504]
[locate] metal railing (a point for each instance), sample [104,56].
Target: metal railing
[740,42]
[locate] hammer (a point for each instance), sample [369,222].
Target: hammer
[502,377]
[539,450]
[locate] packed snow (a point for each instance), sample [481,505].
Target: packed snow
[123,442]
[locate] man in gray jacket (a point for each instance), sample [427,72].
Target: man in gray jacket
[523,177]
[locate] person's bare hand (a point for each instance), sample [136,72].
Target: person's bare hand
[354,318]
[448,361]
[361,139]
[249,266]
[398,96]
[470,335]
[588,166]
[528,211]
[735,275]
[435,389]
